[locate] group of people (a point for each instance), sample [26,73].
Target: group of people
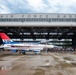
[59,50]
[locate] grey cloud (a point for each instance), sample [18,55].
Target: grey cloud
[46,6]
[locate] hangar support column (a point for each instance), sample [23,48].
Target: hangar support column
[74,41]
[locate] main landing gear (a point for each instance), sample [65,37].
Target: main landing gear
[23,53]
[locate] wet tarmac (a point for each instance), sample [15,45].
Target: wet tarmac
[44,64]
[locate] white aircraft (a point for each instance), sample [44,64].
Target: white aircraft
[22,47]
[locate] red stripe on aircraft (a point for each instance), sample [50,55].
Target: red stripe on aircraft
[4,36]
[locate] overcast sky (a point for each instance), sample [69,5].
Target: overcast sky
[37,6]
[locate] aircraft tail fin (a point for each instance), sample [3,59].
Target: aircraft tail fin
[5,38]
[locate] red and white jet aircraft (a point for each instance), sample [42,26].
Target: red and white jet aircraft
[23,47]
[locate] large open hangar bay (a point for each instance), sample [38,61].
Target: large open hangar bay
[39,26]
[47,33]
[40,32]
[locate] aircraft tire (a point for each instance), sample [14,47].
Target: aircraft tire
[24,53]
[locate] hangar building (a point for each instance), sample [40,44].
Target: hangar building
[39,26]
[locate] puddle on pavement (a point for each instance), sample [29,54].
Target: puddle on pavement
[66,65]
[69,62]
[74,64]
[59,73]
[6,67]
[46,63]
[62,65]
[68,58]
[39,72]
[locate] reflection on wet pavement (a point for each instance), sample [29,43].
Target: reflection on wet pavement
[45,64]
[7,66]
